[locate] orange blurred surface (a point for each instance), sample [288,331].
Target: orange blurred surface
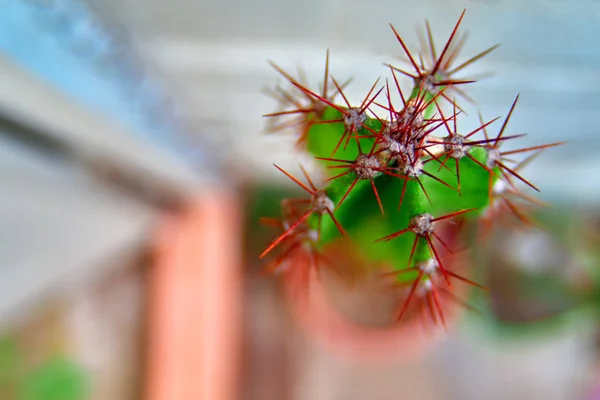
[195,301]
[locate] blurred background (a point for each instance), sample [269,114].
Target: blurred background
[116,115]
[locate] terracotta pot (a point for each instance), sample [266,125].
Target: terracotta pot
[315,303]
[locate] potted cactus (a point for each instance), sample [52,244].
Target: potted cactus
[404,184]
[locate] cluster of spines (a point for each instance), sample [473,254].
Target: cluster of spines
[401,145]
[305,110]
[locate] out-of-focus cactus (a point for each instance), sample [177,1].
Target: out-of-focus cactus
[398,172]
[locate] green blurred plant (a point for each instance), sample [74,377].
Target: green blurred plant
[57,378]
[542,278]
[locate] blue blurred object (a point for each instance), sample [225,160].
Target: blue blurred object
[62,42]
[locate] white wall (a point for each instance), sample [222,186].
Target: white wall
[213,54]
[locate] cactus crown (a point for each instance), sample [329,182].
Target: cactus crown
[398,172]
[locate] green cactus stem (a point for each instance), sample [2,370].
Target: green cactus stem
[396,175]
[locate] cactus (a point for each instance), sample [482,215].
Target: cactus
[397,173]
